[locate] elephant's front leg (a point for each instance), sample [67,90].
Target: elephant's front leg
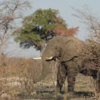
[72,72]
[61,76]
[71,83]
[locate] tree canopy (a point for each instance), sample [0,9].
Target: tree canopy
[41,26]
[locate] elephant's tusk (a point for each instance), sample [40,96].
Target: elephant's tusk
[37,58]
[49,58]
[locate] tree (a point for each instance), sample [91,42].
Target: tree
[10,10]
[91,20]
[65,31]
[41,26]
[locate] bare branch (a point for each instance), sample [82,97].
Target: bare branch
[10,10]
[91,20]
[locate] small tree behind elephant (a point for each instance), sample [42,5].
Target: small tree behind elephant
[74,57]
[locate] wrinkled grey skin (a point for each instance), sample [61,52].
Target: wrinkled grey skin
[72,54]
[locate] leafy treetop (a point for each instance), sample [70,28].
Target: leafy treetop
[41,26]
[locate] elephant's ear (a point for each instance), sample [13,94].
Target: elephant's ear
[73,47]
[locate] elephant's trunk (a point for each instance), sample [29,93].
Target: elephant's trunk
[46,69]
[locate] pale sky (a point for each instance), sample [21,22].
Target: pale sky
[66,13]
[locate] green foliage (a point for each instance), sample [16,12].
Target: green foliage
[39,27]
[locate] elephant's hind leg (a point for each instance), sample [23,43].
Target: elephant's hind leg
[61,76]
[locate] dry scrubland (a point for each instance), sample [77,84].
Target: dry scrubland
[17,77]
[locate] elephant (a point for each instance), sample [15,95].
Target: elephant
[73,57]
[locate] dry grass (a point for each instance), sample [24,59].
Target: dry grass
[17,76]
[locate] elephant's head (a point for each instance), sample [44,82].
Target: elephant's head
[49,55]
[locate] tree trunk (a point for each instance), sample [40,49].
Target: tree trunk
[42,49]
[3,42]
